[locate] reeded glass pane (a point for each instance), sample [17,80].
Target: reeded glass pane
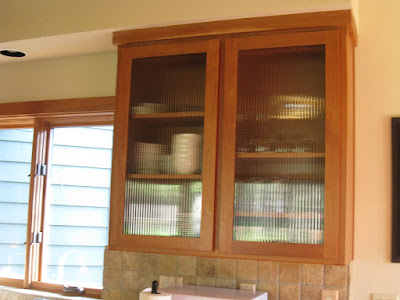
[77,206]
[163,208]
[168,84]
[288,208]
[280,144]
[15,164]
[165,146]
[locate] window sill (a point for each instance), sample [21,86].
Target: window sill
[11,293]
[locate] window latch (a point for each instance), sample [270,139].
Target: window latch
[76,290]
[41,170]
[37,237]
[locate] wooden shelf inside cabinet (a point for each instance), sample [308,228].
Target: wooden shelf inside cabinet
[247,176]
[165,118]
[261,118]
[278,215]
[256,155]
[165,176]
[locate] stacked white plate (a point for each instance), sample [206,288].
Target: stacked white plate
[186,153]
[147,157]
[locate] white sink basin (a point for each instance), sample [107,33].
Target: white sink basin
[189,292]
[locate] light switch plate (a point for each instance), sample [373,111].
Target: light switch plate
[385,297]
[330,295]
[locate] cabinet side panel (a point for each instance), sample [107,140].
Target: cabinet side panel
[349,198]
[346,127]
[332,135]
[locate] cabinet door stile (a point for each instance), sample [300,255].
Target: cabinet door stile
[228,147]
[120,145]
[210,144]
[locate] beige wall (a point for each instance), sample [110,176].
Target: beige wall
[377,100]
[377,89]
[354,8]
[29,19]
[63,78]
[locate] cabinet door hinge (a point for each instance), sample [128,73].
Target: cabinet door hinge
[37,237]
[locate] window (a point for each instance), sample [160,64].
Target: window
[15,163]
[55,176]
[77,204]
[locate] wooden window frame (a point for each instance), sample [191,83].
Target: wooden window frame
[44,116]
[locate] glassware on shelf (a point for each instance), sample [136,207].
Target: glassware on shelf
[286,128]
[279,210]
[160,208]
[281,100]
[280,145]
[143,108]
[294,107]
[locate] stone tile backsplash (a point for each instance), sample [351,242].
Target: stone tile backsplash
[127,273]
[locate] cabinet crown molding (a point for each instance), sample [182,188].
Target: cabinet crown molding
[312,20]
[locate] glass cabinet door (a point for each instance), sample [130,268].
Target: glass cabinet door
[170,145]
[277,144]
[280,145]
[164,162]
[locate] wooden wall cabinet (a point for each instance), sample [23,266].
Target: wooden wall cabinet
[272,111]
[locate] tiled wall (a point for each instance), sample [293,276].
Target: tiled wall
[127,273]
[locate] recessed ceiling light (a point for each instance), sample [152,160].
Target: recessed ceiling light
[12,53]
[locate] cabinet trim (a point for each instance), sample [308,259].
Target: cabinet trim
[326,19]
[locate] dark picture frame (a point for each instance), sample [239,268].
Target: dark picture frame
[396,189]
